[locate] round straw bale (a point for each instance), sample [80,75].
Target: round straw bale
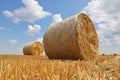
[33,48]
[73,38]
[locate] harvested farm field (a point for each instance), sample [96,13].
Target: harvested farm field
[31,67]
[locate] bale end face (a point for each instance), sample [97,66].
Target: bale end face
[87,39]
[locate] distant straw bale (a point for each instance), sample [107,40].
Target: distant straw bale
[73,38]
[33,48]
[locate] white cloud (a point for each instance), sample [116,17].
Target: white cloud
[106,15]
[40,40]
[8,13]
[56,18]
[3,28]
[32,11]
[15,20]
[12,41]
[32,30]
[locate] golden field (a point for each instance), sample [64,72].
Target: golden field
[21,67]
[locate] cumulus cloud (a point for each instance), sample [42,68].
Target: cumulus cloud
[8,13]
[33,30]
[12,41]
[106,16]
[56,18]
[40,40]
[3,28]
[32,11]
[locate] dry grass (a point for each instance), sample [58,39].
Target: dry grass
[40,68]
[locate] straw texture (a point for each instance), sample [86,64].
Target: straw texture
[33,48]
[73,38]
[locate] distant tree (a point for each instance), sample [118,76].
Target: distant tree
[115,54]
[103,54]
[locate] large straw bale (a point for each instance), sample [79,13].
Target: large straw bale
[73,38]
[33,48]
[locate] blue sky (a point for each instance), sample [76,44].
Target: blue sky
[23,21]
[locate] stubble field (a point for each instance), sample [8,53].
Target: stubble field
[16,67]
